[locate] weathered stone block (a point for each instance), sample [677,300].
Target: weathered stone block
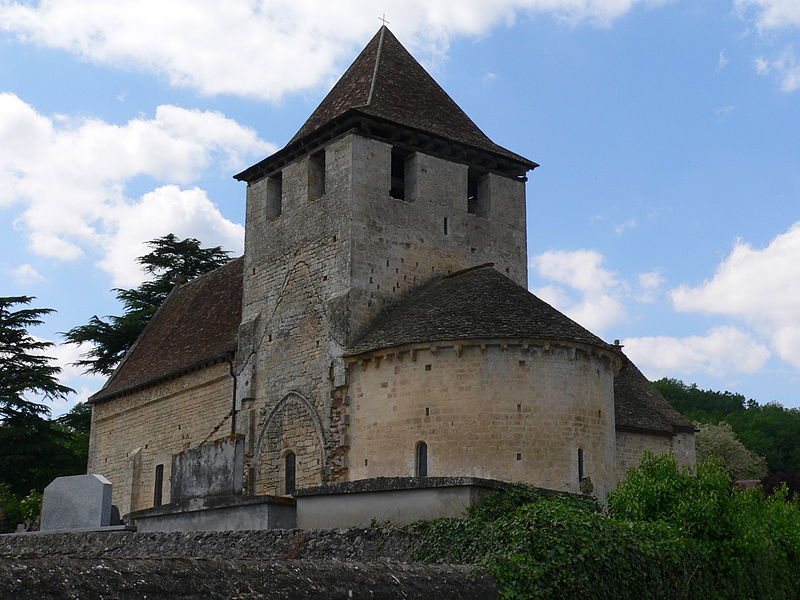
[213,469]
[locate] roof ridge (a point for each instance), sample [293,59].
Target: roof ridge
[186,284]
[377,66]
[467,270]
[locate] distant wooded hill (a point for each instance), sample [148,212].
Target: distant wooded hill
[770,429]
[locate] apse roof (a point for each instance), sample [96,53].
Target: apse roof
[473,303]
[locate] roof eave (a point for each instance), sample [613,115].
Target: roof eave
[98,397]
[646,430]
[395,133]
[356,352]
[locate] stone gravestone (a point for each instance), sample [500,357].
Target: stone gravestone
[212,469]
[77,502]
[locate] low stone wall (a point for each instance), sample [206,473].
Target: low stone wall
[363,545]
[276,564]
[214,579]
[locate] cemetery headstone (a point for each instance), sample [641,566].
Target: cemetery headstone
[77,502]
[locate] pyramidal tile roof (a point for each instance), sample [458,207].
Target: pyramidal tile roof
[385,81]
[474,303]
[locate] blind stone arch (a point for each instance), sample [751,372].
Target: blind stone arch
[291,424]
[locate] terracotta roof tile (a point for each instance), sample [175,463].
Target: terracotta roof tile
[197,323]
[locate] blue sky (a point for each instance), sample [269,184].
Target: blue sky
[664,213]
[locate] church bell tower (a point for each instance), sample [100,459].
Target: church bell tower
[386,185]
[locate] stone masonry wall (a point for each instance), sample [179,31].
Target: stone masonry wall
[500,411]
[631,446]
[134,433]
[399,244]
[293,330]
[278,564]
[316,273]
[291,428]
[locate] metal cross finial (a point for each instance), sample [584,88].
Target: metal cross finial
[383,18]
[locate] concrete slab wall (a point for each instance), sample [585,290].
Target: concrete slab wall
[237,514]
[398,506]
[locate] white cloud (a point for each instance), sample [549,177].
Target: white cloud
[599,304]
[168,209]
[266,48]
[26,275]
[722,351]
[649,285]
[785,67]
[723,111]
[759,286]
[722,61]
[773,13]
[621,227]
[69,175]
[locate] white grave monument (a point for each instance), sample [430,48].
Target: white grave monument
[77,502]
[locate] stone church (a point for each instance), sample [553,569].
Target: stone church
[379,322]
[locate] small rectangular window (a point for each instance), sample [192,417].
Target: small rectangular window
[274,195]
[158,488]
[398,167]
[316,175]
[580,464]
[445,225]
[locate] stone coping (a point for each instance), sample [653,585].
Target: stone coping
[390,484]
[208,503]
[107,529]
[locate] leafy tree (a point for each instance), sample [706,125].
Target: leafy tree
[705,406]
[171,261]
[720,441]
[34,451]
[24,368]
[78,420]
[769,430]
[772,430]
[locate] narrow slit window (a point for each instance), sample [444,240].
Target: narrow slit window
[421,460]
[580,464]
[316,175]
[445,225]
[274,195]
[290,465]
[158,489]
[398,184]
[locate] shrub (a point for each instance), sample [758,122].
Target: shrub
[667,534]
